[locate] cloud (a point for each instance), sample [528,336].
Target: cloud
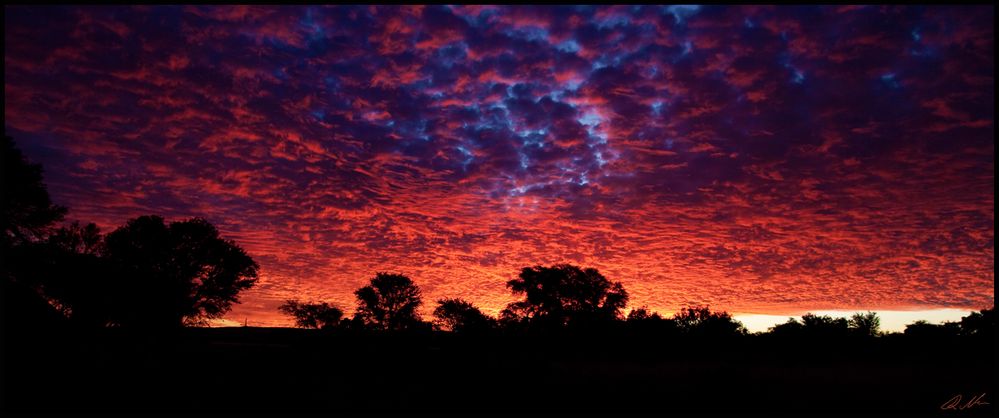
[760,159]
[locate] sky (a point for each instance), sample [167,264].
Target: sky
[760,160]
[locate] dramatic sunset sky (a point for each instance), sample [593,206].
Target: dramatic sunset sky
[760,160]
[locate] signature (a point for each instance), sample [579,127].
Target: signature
[955,403]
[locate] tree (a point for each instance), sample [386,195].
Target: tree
[791,328]
[74,277]
[389,302]
[865,324]
[642,314]
[78,239]
[176,274]
[980,323]
[925,330]
[460,316]
[27,211]
[563,295]
[650,324]
[312,315]
[143,274]
[824,326]
[27,215]
[700,320]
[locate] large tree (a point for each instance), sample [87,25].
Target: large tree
[389,302]
[27,216]
[176,274]
[27,213]
[145,273]
[564,294]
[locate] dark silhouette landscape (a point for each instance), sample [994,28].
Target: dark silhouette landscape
[103,323]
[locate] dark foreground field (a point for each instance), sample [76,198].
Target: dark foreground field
[273,370]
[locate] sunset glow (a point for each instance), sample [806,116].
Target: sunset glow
[891,321]
[760,160]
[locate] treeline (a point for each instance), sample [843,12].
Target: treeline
[567,298]
[150,274]
[555,298]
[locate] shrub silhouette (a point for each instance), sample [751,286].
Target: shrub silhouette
[389,303]
[312,315]
[564,295]
[460,316]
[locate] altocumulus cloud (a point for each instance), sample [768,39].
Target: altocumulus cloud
[758,159]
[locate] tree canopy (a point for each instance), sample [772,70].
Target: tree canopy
[982,324]
[320,315]
[27,216]
[389,302]
[460,316]
[701,320]
[170,275]
[865,324]
[563,295]
[27,211]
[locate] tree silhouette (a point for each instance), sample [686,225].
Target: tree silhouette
[78,239]
[701,321]
[824,326]
[791,328]
[563,295]
[460,316]
[925,330]
[981,323]
[642,314]
[389,302]
[643,322]
[75,278]
[171,275]
[312,315]
[865,324]
[27,215]
[27,211]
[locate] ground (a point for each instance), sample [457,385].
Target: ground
[253,370]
